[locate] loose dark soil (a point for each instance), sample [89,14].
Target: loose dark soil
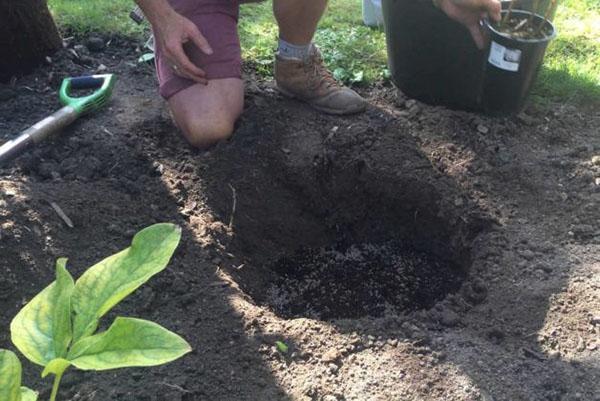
[359,280]
[407,253]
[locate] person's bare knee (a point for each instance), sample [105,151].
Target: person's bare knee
[203,133]
[207,114]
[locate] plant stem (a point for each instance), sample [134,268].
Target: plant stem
[507,15]
[57,379]
[549,11]
[534,11]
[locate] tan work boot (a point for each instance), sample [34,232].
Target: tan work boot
[312,82]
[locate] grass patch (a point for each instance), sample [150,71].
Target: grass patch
[357,53]
[572,65]
[104,16]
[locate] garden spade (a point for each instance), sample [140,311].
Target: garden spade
[74,107]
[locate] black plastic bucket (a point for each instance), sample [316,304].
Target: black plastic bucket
[432,58]
[512,64]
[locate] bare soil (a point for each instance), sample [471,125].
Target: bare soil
[407,253]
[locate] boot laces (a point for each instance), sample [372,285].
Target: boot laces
[319,73]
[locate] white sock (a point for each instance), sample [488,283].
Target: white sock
[290,51]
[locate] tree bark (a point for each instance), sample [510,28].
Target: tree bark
[27,35]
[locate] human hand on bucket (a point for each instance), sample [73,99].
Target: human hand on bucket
[470,13]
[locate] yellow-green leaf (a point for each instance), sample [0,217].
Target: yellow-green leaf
[56,367]
[10,376]
[104,285]
[28,394]
[128,342]
[42,329]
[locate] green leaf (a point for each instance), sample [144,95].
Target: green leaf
[128,342]
[56,367]
[108,282]
[28,394]
[10,376]
[282,347]
[42,329]
[358,77]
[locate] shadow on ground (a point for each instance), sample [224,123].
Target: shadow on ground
[292,178]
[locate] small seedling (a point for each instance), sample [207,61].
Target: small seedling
[57,328]
[282,347]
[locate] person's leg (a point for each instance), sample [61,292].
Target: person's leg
[206,114]
[298,19]
[299,68]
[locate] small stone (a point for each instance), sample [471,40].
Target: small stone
[564,196]
[101,68]
[331,356]
[286,151]
[596,160]
[597,181]
[332,368]
[528,254]
[526,119]
[483,129]
[458,202]
[595,320]
[95,44]
[580,345]
[449,318]
[554,354]
[410,103]
[583,230]
[330,397]
[545,267]
[79,48]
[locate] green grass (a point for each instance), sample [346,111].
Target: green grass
[104,16]
[572,65]
[357,54]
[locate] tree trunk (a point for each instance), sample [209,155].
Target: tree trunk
[27,35]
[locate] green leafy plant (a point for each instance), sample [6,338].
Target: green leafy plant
[10,379]
[57,328]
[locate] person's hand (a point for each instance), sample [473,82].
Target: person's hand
[470,13]
[171,32]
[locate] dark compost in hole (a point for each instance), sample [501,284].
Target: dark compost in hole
[359,280]
[349,255]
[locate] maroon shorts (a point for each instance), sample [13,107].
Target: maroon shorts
[217,21]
